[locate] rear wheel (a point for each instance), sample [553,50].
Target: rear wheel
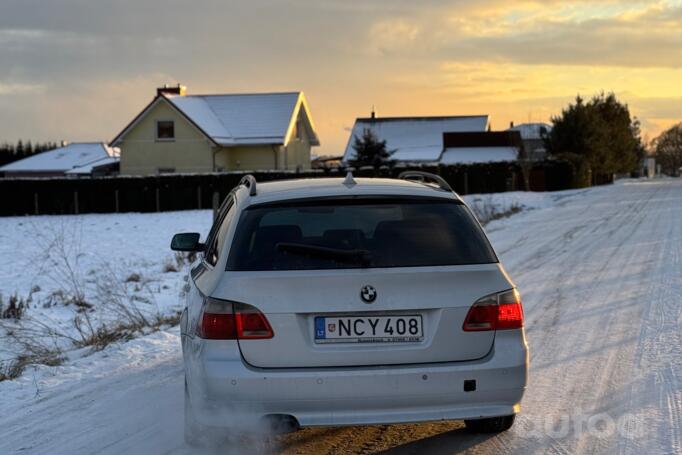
[490,425]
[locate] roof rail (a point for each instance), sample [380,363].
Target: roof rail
[421,176]
[249,181]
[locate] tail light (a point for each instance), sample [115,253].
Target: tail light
[501,311]
[223,320]
[251,323]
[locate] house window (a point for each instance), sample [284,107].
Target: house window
[165,130]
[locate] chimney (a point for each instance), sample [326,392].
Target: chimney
[171,90]
[373,115]
[511,124]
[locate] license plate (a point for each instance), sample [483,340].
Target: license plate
[368,329]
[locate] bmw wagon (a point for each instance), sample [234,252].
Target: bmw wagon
[331,301]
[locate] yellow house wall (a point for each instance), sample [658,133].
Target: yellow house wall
[142,154]
[297,150]
[295,155]
[247,158]
[298,153]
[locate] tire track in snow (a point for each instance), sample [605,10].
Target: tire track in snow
[658,354]
[610,369]
[571,271]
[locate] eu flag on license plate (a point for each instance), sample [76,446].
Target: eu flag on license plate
[319,328]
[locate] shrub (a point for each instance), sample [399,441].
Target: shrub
[15,308]
[486,211]
[133,278]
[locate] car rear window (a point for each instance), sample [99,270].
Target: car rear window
[340,234]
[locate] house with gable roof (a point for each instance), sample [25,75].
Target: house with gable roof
[76,159]
[533,136]
[414,139]
[447,140]
[184,133]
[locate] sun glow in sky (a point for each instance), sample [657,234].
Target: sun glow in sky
[80,70]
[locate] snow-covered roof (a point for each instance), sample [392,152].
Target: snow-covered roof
[240,119]
[414,138]
[87,169]
[74,155]
[530,131]
[469,155]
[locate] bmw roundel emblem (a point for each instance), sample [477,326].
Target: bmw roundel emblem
[368,294]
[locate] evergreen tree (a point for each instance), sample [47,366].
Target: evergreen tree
[598,137]
[19,150]
[10,152]
[6,153]
[370,151]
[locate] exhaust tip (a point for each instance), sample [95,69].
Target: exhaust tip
[280,423]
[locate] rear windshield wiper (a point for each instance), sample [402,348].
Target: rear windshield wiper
[357,256]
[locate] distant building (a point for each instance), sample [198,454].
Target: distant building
[77,158]
[649,167]
[488,147]
[326,162]
[176,132]
[414,139]
[533,136]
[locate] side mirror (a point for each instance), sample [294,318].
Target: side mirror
[188,241]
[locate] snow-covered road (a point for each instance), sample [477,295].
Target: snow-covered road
[600,272]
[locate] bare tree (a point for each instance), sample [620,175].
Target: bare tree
[668,149]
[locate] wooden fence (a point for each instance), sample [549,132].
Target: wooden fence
[37,196]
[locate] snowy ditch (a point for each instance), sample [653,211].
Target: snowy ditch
[75,282]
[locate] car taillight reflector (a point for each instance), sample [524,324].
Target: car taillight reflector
[501,311]
[253,326]
[218,326]
[232,321]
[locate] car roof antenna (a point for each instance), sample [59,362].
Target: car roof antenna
[349,181]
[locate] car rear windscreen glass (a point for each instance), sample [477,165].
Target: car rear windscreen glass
[341,234]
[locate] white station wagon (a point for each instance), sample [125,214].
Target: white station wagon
[335,301]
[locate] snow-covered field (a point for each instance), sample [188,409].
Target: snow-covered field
[59,266]
[600,272]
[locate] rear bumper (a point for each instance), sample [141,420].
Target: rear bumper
[224,391]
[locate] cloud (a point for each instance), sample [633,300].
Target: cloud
[525,32]
[78,69]
[20,89]
[392,35]
[659,107]
[649,41]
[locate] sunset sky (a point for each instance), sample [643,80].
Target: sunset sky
[81,69]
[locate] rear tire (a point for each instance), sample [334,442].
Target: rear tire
[490,424]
